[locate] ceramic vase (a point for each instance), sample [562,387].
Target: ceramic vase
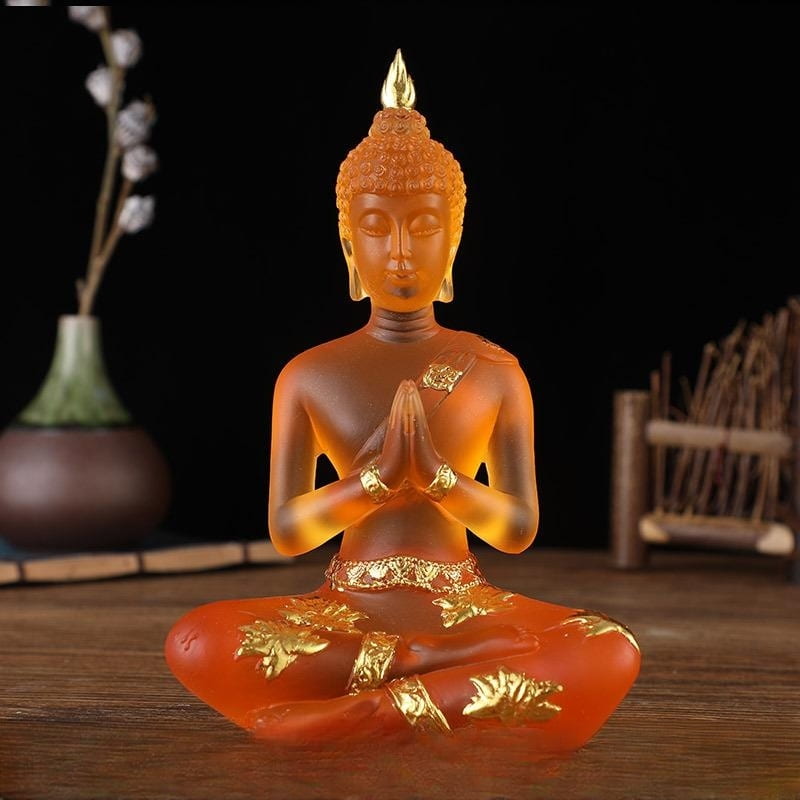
[76,472]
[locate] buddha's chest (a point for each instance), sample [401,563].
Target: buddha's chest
[353,407]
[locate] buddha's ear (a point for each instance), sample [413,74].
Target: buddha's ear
[455,241]
[356,289]
[347,249]
[452,256]
[446,289]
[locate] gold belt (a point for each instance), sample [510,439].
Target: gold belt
[441,577]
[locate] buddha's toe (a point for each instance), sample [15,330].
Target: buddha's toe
[202,650]
[185,647]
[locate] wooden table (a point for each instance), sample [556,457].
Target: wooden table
[88,708]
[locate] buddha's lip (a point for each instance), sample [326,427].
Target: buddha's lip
[405,275]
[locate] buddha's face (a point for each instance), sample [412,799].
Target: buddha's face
[401,247]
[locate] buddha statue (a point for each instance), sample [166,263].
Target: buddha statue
[404,634]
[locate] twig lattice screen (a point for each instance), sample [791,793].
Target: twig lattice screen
[745,381]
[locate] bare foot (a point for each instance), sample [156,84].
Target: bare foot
[426,653]
[307,721]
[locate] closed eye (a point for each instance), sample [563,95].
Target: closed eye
[374,224]
[425,224]
[427,231]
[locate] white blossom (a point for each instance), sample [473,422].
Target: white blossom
[137,213]
[139,162]
[134,123]
[127,47]
[100,85]
[93,17]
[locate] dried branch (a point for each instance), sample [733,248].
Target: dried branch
[748,381]
[127,130]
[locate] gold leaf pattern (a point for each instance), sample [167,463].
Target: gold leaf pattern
[475,602]
[442,577]
[278,644]
[512,697]
[317,612]
[597,624]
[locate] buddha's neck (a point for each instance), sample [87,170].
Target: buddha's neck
[396,326]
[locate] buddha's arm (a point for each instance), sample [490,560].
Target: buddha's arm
[505,514]
[302,517]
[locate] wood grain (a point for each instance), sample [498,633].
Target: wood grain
[88,708]
[709,437]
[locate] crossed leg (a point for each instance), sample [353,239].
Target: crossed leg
[243,656]
[561,684]
[542,667]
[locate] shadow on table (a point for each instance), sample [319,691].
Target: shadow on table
[469,764]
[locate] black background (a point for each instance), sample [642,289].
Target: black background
[632,188]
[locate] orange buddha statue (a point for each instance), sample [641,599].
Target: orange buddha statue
[404,633]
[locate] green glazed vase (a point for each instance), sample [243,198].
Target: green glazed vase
[76,471]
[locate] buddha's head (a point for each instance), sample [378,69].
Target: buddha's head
[401,198]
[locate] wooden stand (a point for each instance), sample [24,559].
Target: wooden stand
[634,523]
[630,482]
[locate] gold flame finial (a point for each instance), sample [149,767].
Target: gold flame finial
[398,88]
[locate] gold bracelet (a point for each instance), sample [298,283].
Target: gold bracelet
[443,481]
[378,491]
[411,699]
[373,661]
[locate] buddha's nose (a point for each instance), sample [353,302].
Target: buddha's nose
[401,250]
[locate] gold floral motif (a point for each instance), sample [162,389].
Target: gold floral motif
[356,572]
[317,612]
[412,700]
[278,644]
[512,697]
[373,661]
[378,571]
[442,577]
[442,377]
[475,602]
[597,624]
[424,573]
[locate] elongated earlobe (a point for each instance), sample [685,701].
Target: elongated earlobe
[446,289]
[356,289]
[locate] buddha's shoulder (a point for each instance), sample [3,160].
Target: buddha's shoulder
[485,349]
[321,358]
